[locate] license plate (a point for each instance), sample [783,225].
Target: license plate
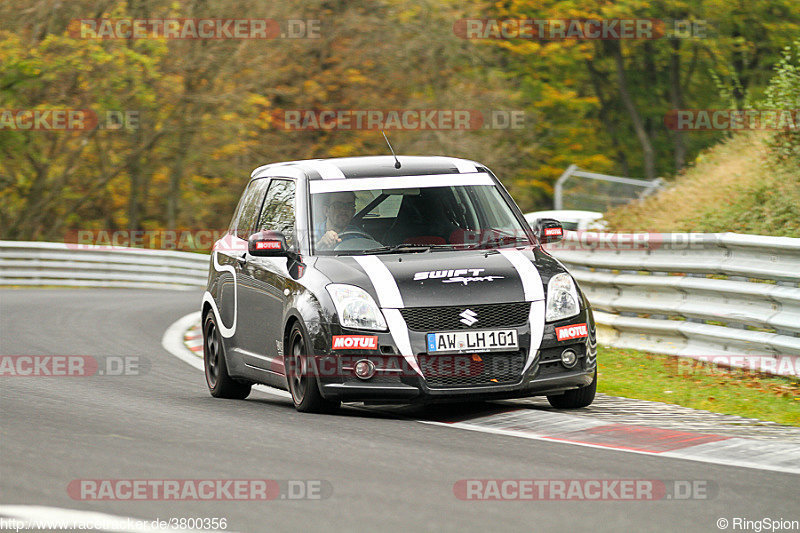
[473,341]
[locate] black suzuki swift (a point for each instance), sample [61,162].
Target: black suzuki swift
[375,279]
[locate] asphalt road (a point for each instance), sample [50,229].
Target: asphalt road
[387,473]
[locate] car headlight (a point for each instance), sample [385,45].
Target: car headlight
[356,308]
[562,298]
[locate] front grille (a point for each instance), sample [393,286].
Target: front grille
[462,370]
[448,317]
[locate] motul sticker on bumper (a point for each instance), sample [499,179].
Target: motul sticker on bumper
[355,342]
[575,331]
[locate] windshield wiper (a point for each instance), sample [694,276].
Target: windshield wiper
[504,240]
[397,248]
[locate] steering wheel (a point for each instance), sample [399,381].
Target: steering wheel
[354,234]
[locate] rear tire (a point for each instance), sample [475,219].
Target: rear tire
[220,383]
[303,384]
[576,398]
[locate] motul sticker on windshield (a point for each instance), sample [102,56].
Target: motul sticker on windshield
[549,232]
[576,331]
[355,342]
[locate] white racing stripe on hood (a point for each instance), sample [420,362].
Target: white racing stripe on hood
[390,301]
[536,322]
[528,275]
[383,281]
[534,293]
[399,330]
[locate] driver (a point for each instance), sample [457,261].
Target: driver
[338,214]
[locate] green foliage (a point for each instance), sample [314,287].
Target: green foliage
[207,108]
[739,186]
[768,205]
[747,185]
[783,92]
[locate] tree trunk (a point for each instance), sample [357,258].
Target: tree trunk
[598,82]
[676,100]
[648,155]
[135,199]
[177,171]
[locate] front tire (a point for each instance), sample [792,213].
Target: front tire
[576,398]
[303,384]
[220,383]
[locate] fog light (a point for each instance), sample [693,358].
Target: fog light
[364,369]
[569,358]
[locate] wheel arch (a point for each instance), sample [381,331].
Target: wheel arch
[206,308]
[291,320]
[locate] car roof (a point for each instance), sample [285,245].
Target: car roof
[371,167]
[566,214]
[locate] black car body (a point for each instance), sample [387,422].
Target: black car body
[415,300]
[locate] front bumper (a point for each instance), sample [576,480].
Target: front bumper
[395,379]
[407,393]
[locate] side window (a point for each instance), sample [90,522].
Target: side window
[238,211]
[278,211]
[250,207]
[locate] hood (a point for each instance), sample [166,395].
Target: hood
[444,278]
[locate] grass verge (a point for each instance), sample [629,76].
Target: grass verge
[668,379]
[739,185]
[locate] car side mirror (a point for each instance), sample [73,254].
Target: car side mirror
[548,230]
[268,244]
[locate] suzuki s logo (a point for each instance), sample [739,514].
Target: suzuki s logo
[468,317]
[457,275]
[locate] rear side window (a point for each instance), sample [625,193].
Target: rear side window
[278,211]
[235,218]
[245,219]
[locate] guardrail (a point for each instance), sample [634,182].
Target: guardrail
[693,295]
[72,265]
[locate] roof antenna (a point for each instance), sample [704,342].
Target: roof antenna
[396,161]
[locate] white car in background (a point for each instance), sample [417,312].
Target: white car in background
[571,219]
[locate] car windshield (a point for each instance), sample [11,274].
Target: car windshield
[413,219]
